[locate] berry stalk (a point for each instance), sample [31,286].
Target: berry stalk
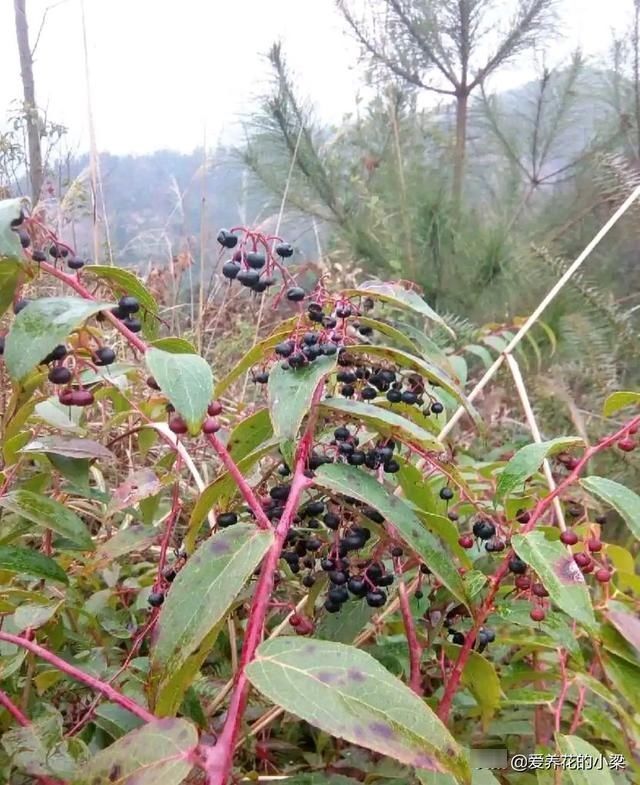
[542,506]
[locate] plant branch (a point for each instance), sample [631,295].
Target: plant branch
[219,759]
[541,507]
[77,675]
[243,486]
[415,649]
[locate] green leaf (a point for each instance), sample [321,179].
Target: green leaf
[48,513]
[134,538]
[69,447]
[528,460]
[619,400]
[33,615]
[175,345]
[352,481]
[257,352]
[384,421]
[115,720]
[348,694]
[480,678]
[159,752]
[581,750]
[22,560]
[396,295]
[9,277]
[9,241]
[627,624]
[624,501]
[558,572]
[41,326]
[124,281]
[291,392]
[186,380]
[200,596]
[344,626]
[249,434]
[396,335]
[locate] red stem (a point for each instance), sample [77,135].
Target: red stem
[415,649]
[485,609]
[219,759]
[78,675]
[74,283]
[243,486]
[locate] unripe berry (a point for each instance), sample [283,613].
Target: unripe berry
[523,582]
[210,425]
[177,425]
[627,444]
[214,409]
[537,614]
[594,545]
[465,541]
[603,575]
[569,537]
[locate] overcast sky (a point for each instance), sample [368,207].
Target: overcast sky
[163,70]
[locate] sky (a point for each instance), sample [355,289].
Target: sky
[172,73]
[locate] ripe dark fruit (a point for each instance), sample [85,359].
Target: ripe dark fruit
[627,444]
[338,577]
[169,574]
[214,408]
[256,260]
[517,566]
[308,581]
[343,312]
[134,325]
[446,494]
[230,270]
[458,638]
[105,355]
[210,425]
[313,508]
[484,530]
[248,277]
[156,598]
[603,575]
[15,222]
[331,607]
[60,375]
[394,396]
[261,378]
[295,294]
[128,305]
[376,598]
[391,467]
[55,251]
[25,239]
[39,256]
[73,263]
[227,239]
[409,397]
[569,537]
[437,407]
[177,425]
[537,614]
[284,250]
[227,519]
[331,521]
[601,519]
[522,516]
[523,582]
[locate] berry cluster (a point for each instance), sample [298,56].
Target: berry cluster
[124,312]
[254,263]
[22,225]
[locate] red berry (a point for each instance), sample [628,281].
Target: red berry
[627,444]
[633,430]
[151,382]
[589,567]
[523,582]
[214,409]
[465,541]
[178,425]
[582,559]
[66,396]
[295,620]
[539,590]
[537,614]
[572,464]
[82,398]
[210,425]
[594,545]
[569,538]
[603,575]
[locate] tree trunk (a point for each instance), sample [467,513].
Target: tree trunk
[462,99]
[30,109]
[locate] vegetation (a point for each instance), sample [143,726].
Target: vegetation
[357,519]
